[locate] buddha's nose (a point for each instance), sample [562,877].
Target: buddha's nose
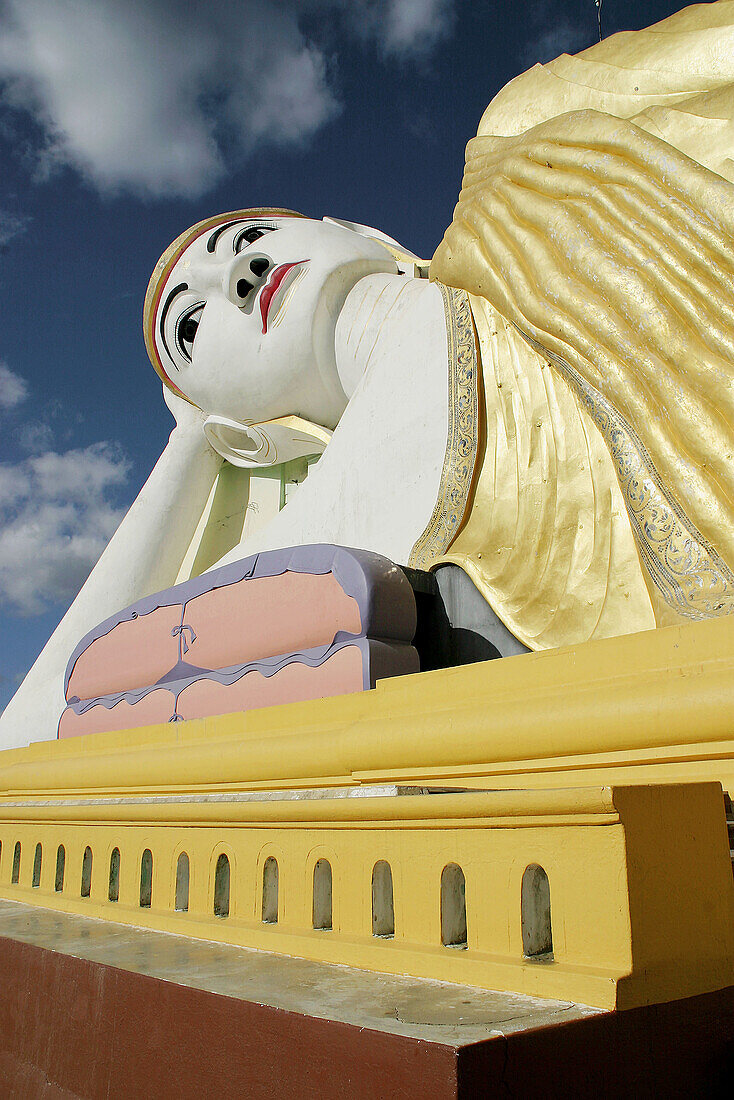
[245,276]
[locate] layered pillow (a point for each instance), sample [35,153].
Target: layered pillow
[281,626]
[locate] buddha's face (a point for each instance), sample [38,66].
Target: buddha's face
[245,321]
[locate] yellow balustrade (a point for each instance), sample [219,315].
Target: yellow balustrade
[641,895]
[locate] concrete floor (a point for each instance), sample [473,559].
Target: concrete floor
[414,1007]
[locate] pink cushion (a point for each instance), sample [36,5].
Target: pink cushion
[135,653]
[267,616]
[156,706]
[284,625]
[338,675]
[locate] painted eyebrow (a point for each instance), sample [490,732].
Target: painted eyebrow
[176,291]
[211,244]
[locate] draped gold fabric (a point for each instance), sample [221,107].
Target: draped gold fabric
[602,257]
[547,539]
[674,79]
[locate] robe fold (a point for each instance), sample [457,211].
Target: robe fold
[594,234]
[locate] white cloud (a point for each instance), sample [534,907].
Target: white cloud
[11,225]
[415,26]
[57,512]
[78,475]
[133,95]
[404,29]
[13,388]
[145,95]
[286,110]
[35,436]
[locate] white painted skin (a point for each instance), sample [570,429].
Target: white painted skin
[376,484]
[350,344]
[235,369]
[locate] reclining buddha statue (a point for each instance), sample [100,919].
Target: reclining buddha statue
[547,405]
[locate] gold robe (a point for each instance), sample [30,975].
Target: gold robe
[594,234]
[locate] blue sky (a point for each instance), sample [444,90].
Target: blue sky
[122,122]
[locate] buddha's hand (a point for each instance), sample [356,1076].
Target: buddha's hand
[189,419]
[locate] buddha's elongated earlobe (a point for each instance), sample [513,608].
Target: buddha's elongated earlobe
[266,444]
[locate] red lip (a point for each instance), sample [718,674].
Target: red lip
[272,287]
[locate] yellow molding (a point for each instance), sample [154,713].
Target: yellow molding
[657,705]
[496,809]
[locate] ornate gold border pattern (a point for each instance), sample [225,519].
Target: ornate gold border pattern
[685,567]
[463,432]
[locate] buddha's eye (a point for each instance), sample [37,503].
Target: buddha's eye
[186,329]
[250,235]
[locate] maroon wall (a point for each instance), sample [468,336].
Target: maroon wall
[74,1028]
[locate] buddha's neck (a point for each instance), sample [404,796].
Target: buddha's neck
[379,308]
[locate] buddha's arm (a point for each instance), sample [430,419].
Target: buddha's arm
[143,556]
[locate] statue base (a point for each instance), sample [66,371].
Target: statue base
[368,830]
[119,1011]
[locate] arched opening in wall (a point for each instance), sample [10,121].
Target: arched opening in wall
[535,905]
[87,872]
[270,891]
[37,860]
[182,884]
[383,910]
[146,879]
[322,905]
[453,906]
[221,887]
[15,877]
[113,891]
[60,867]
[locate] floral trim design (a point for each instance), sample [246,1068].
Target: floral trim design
[688,571]
[463,432]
